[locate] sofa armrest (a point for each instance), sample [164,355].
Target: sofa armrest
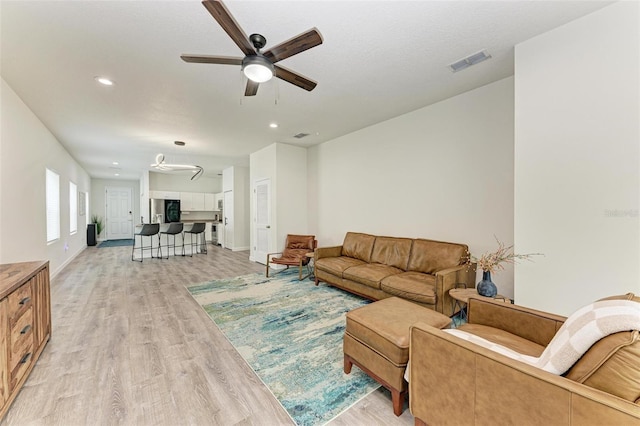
[328,252]
[453,381]
[449,278]
[533,325]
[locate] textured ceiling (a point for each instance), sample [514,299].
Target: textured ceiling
[380,59]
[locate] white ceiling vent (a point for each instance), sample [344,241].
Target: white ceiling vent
[300,135]
[470,60]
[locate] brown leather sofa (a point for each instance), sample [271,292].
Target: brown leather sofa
[472,385]
[421,271]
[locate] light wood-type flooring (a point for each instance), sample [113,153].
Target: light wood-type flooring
[130,346]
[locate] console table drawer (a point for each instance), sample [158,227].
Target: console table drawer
[19,302]
[22,365]
[21,338]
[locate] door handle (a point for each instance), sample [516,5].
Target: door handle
[268,226]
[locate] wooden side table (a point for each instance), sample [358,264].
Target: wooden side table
[310,265]
[461,298]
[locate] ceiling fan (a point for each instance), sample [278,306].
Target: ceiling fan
[258,66]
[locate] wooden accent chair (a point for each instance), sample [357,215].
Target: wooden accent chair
[294,253]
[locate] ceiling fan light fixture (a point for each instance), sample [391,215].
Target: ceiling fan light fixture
[257,68]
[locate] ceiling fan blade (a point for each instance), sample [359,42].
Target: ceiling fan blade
[206,59]
[252,88]
[293,46]
[220,13]
[295,78]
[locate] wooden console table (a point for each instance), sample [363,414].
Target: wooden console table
[25,324]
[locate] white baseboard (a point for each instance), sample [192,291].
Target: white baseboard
[66,262]
[240,249]
[261,261]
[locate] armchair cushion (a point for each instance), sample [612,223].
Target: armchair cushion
[580,331]
[504,338]
[296,249]
[611,365]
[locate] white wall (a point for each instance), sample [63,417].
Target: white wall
[443,172]
[241,208]
[236,179]
[292,192]
[262,165]
[286,167]
[181,182]
[577,153]
[26,149]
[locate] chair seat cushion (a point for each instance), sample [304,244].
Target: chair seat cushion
[504,338]
[292,257]
[370,274]
[411,286]
[336,265]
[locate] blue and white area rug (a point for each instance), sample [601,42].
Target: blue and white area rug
[290,332]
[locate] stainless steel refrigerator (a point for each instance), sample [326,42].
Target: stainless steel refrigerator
[164,211]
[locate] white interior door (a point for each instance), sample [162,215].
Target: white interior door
[119,224]
[262,219]
[228,220]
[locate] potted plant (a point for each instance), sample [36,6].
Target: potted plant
[98,221]
[494,261]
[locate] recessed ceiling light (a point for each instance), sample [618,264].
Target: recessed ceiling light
[104,80]
[273,125]
[116,174]
[115,163]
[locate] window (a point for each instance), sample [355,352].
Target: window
[53,205]
[73,208]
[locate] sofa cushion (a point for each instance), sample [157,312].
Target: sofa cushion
[430,256]
[611,365]
[392,251]
[504,338]
[358,246]
[336,265]
[411,286]
[370,274]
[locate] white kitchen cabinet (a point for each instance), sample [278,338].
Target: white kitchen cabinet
[164,195]
[197,201]
[209,202]
[186,201]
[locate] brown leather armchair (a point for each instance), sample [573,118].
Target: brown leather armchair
[294,253]
[453,381]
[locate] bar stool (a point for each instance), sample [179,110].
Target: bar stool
[198,230]
[174,229]
[148,230]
